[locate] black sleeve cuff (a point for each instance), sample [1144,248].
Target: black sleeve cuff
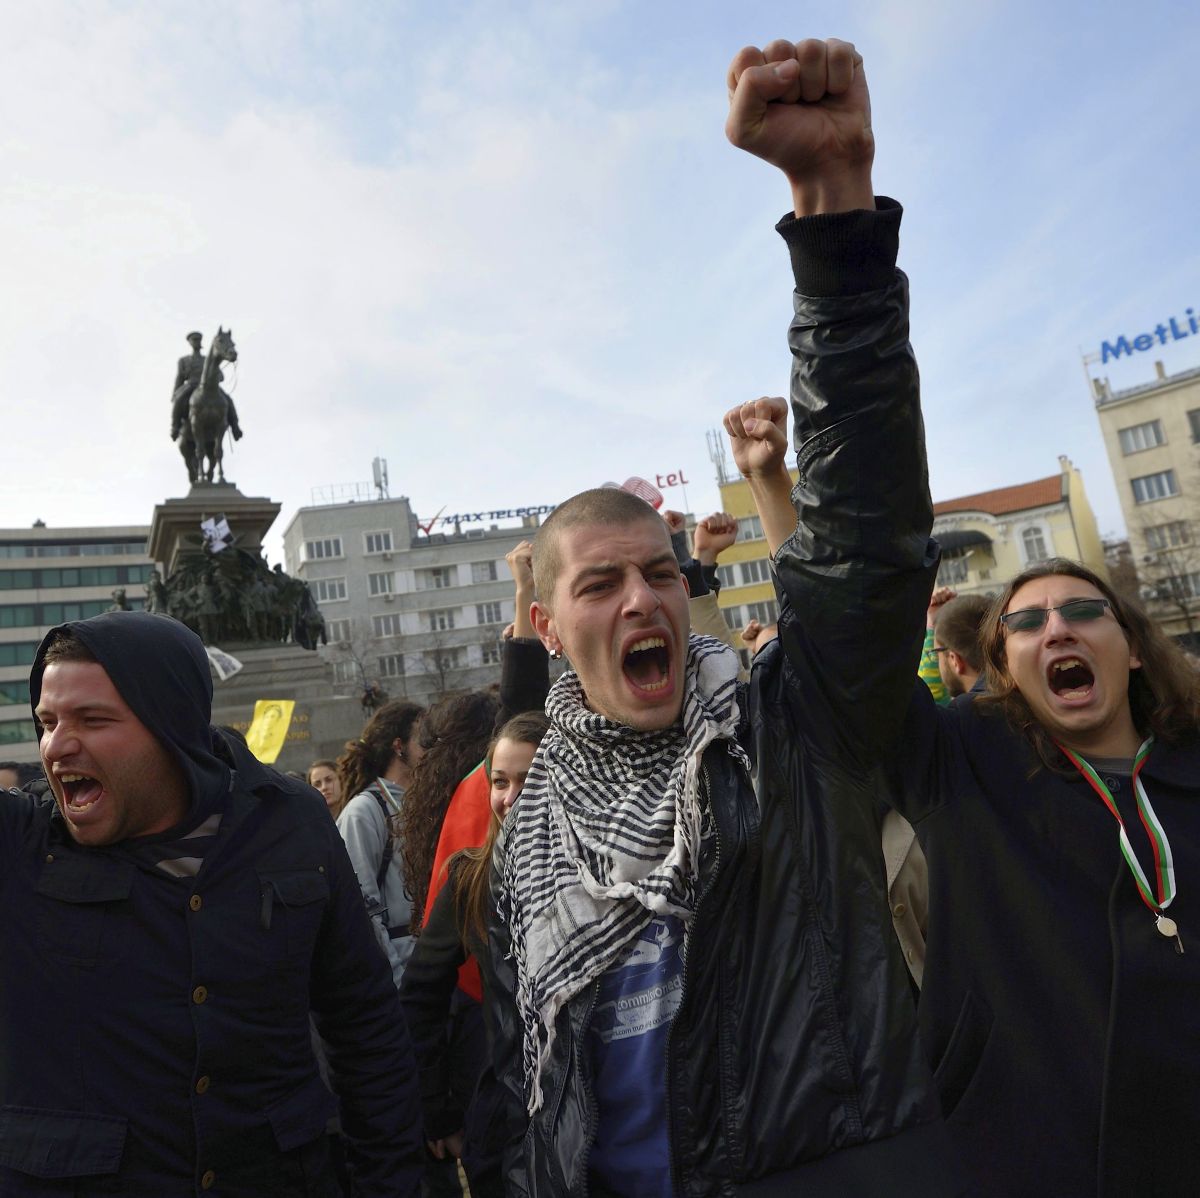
[844,253]
[679,544]
[693,571]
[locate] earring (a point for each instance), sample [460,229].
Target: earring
[555,654]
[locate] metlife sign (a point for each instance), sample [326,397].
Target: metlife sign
[1176,329]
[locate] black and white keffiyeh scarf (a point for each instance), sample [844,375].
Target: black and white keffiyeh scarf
[606,835]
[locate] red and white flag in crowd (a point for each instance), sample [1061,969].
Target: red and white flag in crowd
[644,490]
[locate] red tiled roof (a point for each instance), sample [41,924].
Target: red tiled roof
[1038,493]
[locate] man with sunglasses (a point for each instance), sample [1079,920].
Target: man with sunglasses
[1060,814]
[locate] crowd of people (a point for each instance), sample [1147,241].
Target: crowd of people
[866,918]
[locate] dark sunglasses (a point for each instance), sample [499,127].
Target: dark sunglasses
[1076,611]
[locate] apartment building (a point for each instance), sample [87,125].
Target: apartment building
[48,575]
[1152,434]
[421,613]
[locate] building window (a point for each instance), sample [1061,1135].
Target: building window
[319,550]
[438,661]
[1169,535]
[952,571]
[16,580]
[17,653]
[383,583]
[488,613]
[391,665]
[378,542]
[483,571]
[328,590]
[490,655]
[441,621]
[1194,422]
[727,576]
[1035,545]
[14,692]
[337,630]
[749,529]
[765,613]
[756,571]
[386,625]
[13,732]
[436,579]
[1142,436]
[1176,587]
[1154,486]
[345,672]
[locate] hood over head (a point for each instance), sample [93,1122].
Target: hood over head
[160,669]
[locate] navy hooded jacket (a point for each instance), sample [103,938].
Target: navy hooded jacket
[154,1030]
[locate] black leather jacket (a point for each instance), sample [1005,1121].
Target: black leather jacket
[793,1064]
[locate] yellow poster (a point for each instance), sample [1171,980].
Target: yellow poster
[269,728]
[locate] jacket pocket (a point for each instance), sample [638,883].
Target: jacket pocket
[74,904]
[964,1050]
[45,1143]
[292,904]
[301,1116]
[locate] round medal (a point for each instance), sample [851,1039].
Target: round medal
[1166,926]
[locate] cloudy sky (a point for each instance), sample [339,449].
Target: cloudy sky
[506,246]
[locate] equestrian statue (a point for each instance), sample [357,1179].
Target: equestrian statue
[201,411]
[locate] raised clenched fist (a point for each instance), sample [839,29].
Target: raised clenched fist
[758,436]
[804,107]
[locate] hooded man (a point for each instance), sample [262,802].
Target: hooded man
[169,921]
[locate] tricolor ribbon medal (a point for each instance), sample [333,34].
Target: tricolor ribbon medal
[1161,897]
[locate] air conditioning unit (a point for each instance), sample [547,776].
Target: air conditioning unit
[389,597]
[386,555]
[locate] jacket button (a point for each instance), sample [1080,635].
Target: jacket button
[195,902]
[910,954]
[898,910]
[49,858]
[202,1084]
[207,1180]
[200,994]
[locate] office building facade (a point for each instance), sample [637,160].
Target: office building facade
[1152,434]
[420,613]
[47,576]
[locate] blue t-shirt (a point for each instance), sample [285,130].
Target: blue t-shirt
[627,1040]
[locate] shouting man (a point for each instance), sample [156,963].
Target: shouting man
[694,989]
[169,920]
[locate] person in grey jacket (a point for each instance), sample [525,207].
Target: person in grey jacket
[374,770]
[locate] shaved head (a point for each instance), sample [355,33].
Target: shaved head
[602,505]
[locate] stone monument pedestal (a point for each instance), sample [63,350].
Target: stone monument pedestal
[321,722]
[176,523]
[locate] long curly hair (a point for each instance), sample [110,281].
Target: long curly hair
[455,736]
[369,757]
[1164,695]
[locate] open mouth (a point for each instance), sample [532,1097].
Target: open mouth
[1070,679]
[647,664]
[80,791]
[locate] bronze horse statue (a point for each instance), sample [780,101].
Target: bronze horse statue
[208,413]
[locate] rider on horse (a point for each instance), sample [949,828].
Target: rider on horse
[187,379]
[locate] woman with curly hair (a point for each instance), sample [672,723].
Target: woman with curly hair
[454,737]
[376,770]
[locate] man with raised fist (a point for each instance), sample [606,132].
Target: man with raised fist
[693,986]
